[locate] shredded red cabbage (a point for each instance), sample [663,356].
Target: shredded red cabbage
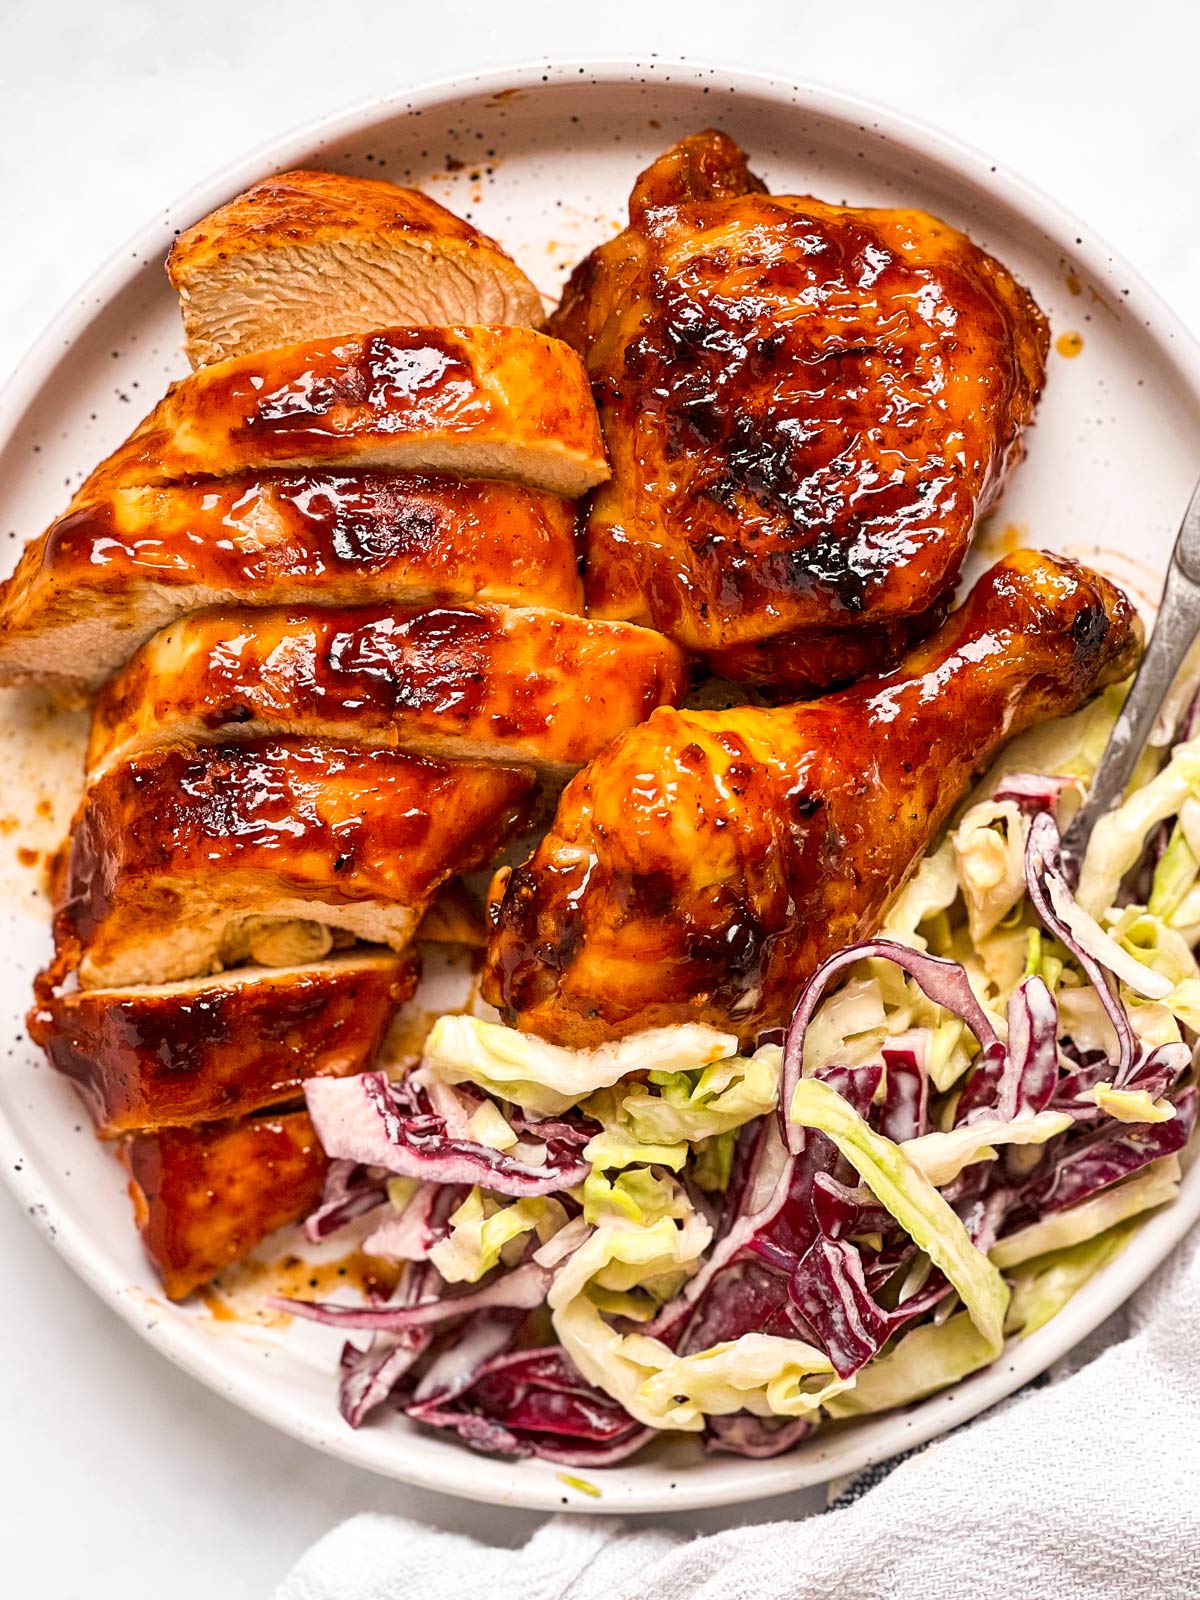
[763,1276]
[411,1234]
[351,1190]
[535,1402]
[1043,867]
[1032,791]
[371,1120]
[1155,1074]
[905,1113]
[829,1289]
[1022,1080]
[1078,1165]
[759,1438]
[521,1290]
[488,1334]
[843,1212]
[944,982]
[371,1376]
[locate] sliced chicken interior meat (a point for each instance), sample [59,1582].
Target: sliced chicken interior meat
[480,683]
[312,255]
[205,1196]
[217,1047]
[185,860]
[116,569]
[476,402]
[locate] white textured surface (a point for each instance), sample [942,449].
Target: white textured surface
[118,1475]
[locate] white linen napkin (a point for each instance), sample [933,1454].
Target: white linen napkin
[1085,1489]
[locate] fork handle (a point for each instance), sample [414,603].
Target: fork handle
[1174,632]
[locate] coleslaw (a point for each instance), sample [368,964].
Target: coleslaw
[967,1119]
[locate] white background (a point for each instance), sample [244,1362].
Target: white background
[120,1477]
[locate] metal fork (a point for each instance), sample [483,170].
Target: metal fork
[1175,630]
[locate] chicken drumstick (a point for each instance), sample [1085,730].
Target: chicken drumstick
[701,868]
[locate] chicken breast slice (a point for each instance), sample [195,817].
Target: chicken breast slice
[313,255]
[476,402]
[205,1196]
[116,569]
[183,861]
[467,682]
[173,1054]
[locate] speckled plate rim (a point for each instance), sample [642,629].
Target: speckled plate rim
[434,1463]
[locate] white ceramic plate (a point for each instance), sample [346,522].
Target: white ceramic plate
[543,158]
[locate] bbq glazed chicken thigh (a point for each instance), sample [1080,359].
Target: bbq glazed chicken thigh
[704,865]
[806,407]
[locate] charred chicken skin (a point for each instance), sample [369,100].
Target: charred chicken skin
[702,867]
[806,407]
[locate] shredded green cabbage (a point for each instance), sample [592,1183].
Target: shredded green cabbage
[690,1106]
[1131,1105]
[547,1079]
[483,1226]
[1174,877]
[1120,837]
[619,1255]
[758,1372]
[638,1196]
[940,1157]
[899,1185]
[617,1146]
[920,1363]
[1154,1186]
[1042,1287]
[659,1121]
[989,850]
[712,1164]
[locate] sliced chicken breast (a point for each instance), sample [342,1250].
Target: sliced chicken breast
[205,1196]
[312,255]
[183,861]
[477,402]
[213,1047]
[471,682]
[114,570]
